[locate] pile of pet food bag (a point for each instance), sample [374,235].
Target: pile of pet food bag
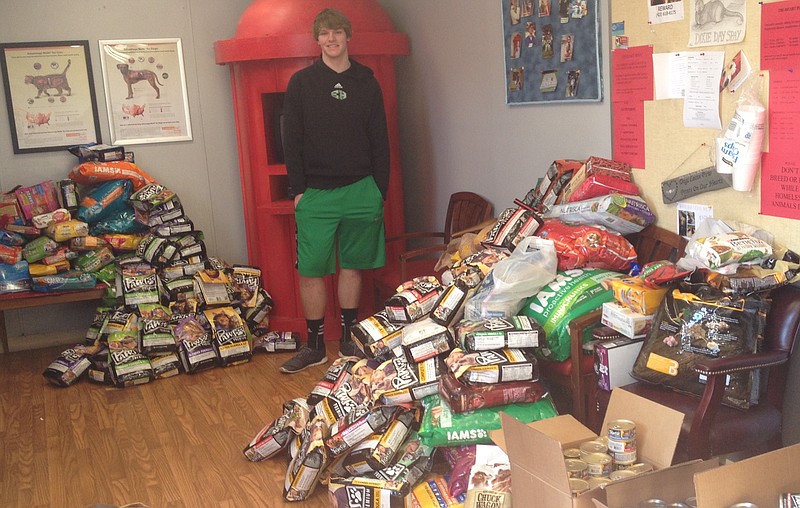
[168,307]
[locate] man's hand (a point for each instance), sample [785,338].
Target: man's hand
[297,199]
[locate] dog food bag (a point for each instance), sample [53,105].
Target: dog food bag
[442,427]
[275,437]
[151,196]
[157,337]
[230,336]
[620,213]
[433,492]
[90,173]
[128,366]
[425,339]
[37,199]
[139,284]
[38,249]
[39,269]
[309,462]
[70,365]
[247,281]
[450,306]
[351,394]
[47,219]
[64,231]
[752,278]
[277,342]
[397,381]
[100,369]
[165,365]
[572,294]
[377,335]
[94,260]
[365,493]
[14,277]
[194,346]
[588,246]
[634,294]
[512,226]
[11,255]
[489,367]
[548,188]
[107,199]
[414,299]
[489,479]
[602,185]
[378,450]
[119,320]
[87,243]
[697,322]
[498,333]
[258,316]
[10,238]
[357,425]
[463,396]
[728,248]
[658,274]
[338,372]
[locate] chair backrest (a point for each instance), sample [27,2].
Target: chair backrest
[655,244]
[783,327]
[465,210]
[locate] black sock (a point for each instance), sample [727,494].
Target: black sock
[316,333]
[349,318]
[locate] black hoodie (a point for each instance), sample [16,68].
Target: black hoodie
[334,130]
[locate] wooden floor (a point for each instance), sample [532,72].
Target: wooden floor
[171,443]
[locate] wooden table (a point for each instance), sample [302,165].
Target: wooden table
[28,299]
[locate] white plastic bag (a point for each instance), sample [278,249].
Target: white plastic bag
[511,281]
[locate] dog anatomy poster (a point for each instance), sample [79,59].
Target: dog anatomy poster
[145,88]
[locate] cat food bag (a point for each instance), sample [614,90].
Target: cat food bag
[601,185]
[489,367]
[11,255]
[37,199]
[442,427]
[121,242]
[414,299]
[425,339]
[230,336]
[91,173]
[498,333]
[658,274]
[107,199]
[695,323]
[165,365]
[725,249]
[66,281]
[378,450]
[94,260]
[620,213]
[338,372]
[396,381]
[277,342]
[128,366]
[463,396]
[194,346]
[588,246]
[357,425]
[11,239]
[39,269]
[275,436]
[14,277]
[120,222]
[377,335]
[64,231]
[87,243]
[548,188]
[572,294]
[70,365]
[512,226]
[39,249]
[47,219]
[308,463]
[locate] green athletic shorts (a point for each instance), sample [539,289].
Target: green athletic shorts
[346,219]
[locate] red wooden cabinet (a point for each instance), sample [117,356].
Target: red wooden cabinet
[273,40]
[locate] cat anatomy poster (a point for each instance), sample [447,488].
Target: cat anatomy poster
[49,95]
[717,22]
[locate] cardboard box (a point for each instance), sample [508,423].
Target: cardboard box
[613,362]
[759,480]
[538,472]
[673,484]
[627,322]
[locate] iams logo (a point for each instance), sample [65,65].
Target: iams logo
[338,92]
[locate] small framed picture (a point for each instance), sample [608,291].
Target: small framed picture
[145,86]
[50,95]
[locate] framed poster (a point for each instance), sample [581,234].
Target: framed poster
[50,95]
[552,51]
[145,88]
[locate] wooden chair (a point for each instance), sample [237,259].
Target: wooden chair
[465,210]
[711,428]
[575,376]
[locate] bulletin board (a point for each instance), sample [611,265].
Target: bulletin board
[670,148]
[552,51]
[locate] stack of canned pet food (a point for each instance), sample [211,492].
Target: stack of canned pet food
[605,459]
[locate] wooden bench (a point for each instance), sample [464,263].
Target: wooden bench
[29,299]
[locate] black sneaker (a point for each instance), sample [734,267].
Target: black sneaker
[304,359]
[349,348]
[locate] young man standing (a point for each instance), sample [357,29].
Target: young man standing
[336,148]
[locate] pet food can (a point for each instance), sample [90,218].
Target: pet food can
[620,475]
[576,468]
[572,453]
[624,466]
[622,430]
[691,502]
[628,458]
[743,505]
[617,446]
[641,467]
[648,503]
[599,464]
[591,447]
[598,481]
[677,504]
[577,485]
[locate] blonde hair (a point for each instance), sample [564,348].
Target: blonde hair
[332,19]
